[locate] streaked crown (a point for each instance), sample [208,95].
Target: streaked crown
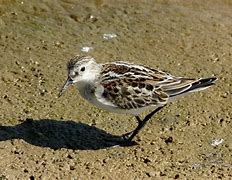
[77,60]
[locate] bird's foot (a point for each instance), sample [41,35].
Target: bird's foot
[123,140]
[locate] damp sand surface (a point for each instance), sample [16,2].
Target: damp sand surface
[45,137]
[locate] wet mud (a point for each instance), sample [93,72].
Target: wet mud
[45,137]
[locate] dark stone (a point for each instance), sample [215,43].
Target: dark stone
[169,140]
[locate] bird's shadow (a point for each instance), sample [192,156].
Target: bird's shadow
[58,134]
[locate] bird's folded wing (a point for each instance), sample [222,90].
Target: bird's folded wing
[132,94]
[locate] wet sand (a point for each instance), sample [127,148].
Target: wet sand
[45,137]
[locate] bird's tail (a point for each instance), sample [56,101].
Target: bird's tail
[202,84]
[191,86]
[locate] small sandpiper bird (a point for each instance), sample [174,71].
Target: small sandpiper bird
[128,88]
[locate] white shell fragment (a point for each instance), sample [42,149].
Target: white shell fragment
[86,49]
[216,142]
[109,36]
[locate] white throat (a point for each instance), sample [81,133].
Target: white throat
[88,79]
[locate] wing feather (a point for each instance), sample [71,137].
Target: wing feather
[130,86]
[134,94]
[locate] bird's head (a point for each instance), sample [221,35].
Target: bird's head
[80,69]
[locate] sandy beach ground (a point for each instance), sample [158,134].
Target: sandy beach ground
[45,137]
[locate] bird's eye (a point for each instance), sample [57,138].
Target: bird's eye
[83,69]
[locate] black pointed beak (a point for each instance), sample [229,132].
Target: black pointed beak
[67,83]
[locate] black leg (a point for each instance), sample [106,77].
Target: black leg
[141,123]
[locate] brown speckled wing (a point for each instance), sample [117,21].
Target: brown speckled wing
[132,86]
[132,94]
